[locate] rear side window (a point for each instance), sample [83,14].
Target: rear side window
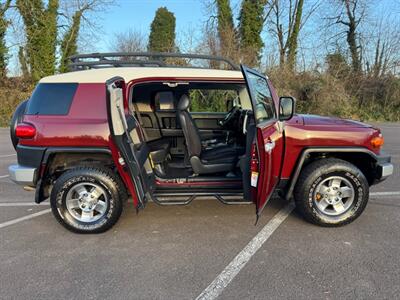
[51,99]
[165,101]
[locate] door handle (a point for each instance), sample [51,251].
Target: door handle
[269,146]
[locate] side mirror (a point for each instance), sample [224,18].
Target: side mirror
[286,108]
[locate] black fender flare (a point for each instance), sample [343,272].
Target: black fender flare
[307,151]
[39,193]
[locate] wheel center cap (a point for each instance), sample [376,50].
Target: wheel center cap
[87,203]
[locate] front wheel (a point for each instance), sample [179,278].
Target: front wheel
[331,192]
[86,199]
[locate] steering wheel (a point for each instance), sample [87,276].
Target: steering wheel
[230,115]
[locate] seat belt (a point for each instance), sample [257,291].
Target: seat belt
[139,116]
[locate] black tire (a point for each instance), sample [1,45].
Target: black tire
[305,191]
[90,175]
[17,118]
[123,193]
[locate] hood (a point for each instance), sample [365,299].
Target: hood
[315,120]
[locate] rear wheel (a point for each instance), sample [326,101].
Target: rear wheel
[331,192]
[86,200]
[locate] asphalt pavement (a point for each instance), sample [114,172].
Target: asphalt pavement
[205,248]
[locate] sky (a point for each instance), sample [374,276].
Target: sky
[138,15]
[191,16]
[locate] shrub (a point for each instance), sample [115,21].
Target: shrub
[12,92]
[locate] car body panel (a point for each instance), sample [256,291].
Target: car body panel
[86,124]
[299,136]
[269,142]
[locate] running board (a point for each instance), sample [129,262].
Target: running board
[164,198]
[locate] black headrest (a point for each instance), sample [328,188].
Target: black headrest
[184,102]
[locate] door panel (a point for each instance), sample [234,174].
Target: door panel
[207,123]
[128,148]
[270,144]
[269,138]
[209,126]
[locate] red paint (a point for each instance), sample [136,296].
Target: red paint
[320,132]
[202,183]
[123,172]
[84,126]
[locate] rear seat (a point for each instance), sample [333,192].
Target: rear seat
[159,149]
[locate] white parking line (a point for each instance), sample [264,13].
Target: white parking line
[15,204]
[229,273]
[4,176]
[384,194]
[31,216]
[7,155]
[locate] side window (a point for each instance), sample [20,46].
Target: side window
[164,101]
[264,105]
[51,99]
[206,100]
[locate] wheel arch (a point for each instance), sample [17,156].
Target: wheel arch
[57,160]
[349,154]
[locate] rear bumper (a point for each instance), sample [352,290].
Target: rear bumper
[23,175]
[26,172]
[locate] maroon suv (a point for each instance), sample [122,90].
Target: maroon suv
[134,126]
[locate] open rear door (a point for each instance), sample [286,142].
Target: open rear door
[128,147]
[267,153]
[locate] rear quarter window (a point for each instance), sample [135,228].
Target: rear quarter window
[51,99]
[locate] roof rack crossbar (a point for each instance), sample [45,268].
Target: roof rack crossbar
[142,59]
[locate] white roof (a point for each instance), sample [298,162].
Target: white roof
[131,73]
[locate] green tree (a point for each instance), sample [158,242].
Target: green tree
[226,29]
[251,21]
[3,28]
[162,31]
[41,35]
[337,65]
[69,45]
[22,62]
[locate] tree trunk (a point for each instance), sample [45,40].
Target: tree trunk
[352,38]
[293,38]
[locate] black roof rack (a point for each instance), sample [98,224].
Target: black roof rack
[147,59]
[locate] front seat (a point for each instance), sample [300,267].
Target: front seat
[218,159]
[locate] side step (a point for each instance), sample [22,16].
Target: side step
[225,198]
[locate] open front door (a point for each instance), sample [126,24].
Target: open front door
[128,147]
[267,153]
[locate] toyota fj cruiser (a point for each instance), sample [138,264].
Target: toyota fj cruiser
[131,124]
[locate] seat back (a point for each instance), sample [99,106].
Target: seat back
[189,128]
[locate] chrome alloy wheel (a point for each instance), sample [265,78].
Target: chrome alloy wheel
[334,195]
[87,202]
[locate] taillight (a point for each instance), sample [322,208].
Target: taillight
[25,131]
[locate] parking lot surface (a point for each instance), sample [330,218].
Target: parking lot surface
[178,252]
